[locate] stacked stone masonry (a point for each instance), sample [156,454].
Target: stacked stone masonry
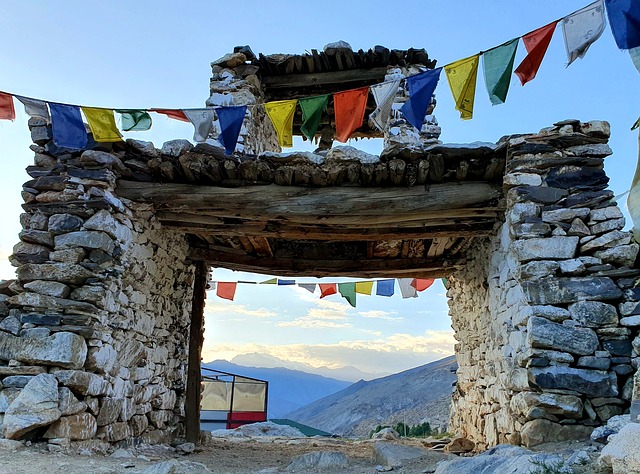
[94,331]
[547,313]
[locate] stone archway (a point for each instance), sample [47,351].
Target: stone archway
[102,327]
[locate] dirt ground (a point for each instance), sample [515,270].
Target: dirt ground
[221,456]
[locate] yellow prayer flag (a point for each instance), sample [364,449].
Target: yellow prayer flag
[271,281]
[364,287]
[281,113]
[462,77]
[102,124]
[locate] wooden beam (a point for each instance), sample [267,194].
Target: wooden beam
[196,332]
[361,268]
[328,205]
[324,78]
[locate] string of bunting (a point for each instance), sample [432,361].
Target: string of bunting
[409,287]
[580,28]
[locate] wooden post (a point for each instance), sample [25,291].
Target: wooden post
[194,377]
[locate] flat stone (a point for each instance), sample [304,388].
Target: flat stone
[593,383]
[579,228]
[29,253]
[545,248]
[565,215]
[502,459]
[75,255]
[318,460]
[68,403]
[35,406]
[83,383]
[88,239]
[618,347]
[41,319]
[540,431]
[62,349]
[39,237]
[101,159]
[537,269]
[63,223]
[68,273]
[43,302]
[624,255]
[230,60]
[176,147]
[527,230]
[16,381]
[49,288]
[521,179]
[607,226]
[594,313]
[573,266]
[523,210]
[546,334]
[610,239]
[539,194]
[11,324]
[22,370]
[552,313]
[75,427]
[605,213]
[173,466]
[592,362]
[577,177]
[630,321]
[569,406]
[599,150]
[535,353]
[569,290]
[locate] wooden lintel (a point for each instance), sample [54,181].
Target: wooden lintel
[328,205]
[362,268]
[324,78]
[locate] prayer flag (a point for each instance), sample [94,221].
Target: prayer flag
[385,287]
[636,124]
[349,107]
[102,124]
[406,289]
[624,18]
[286,282]
[34,107]
[582,28]
[7,111]
[633,200]
[384,94]
[312,109]
[348,291]
[281,113]
[364,287]
[421,89]
[327,289]
[462,76]
[231,119]
[135,120]
[226,290]
[202,120]
[536,43]
[310,287]
[445,282]
[421,284]
[67,126]
[271,281]
[498,66]
[175,114]
[635,57]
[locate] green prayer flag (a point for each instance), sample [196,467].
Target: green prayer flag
[271,281]
[348,291]
[312,109]
[498,66]
[445,282]
[135,120]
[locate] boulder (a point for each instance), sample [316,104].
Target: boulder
[69,273]
[328,460]
[174,466]
[569,406]
[541,431]
[459,445]
[546,334]
[545,248]
[88,239]
[102,159]
[35,406]
[594,383]
[84,383]
[388,434]
[75,427]
[622,454]
[62,349]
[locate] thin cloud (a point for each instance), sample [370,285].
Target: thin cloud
[312,323]
[378,314]
[215,309]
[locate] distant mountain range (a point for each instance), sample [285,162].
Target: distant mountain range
[288,389]
[413,396]
[347,373]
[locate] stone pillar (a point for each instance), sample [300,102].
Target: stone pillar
[234,82]
[546,312]
[99,314]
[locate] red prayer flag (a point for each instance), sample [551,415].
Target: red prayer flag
[536,43]
[327,289]
[226,290]
[7,111]
[176,114]
[421,284]
[349,107]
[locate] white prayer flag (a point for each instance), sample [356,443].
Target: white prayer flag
[308,286]
[406,289]
[202,120]
[582,28]
[34,107]
[383,94]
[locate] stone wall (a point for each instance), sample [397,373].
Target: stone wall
[546,312]
[94,331]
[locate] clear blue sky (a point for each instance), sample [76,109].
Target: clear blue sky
[157,54]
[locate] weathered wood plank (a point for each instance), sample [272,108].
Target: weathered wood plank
[315,205]
[360,268]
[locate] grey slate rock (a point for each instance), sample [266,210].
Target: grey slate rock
[318,460]
[569,290]
[62,223]
[594,383]
[546,334]
[594,313]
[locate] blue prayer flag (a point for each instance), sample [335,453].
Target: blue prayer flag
[286,282]
[231,119]
[421,89]
[624,18]
[385,287]
[67,126]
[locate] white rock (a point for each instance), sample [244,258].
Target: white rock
[622,454]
